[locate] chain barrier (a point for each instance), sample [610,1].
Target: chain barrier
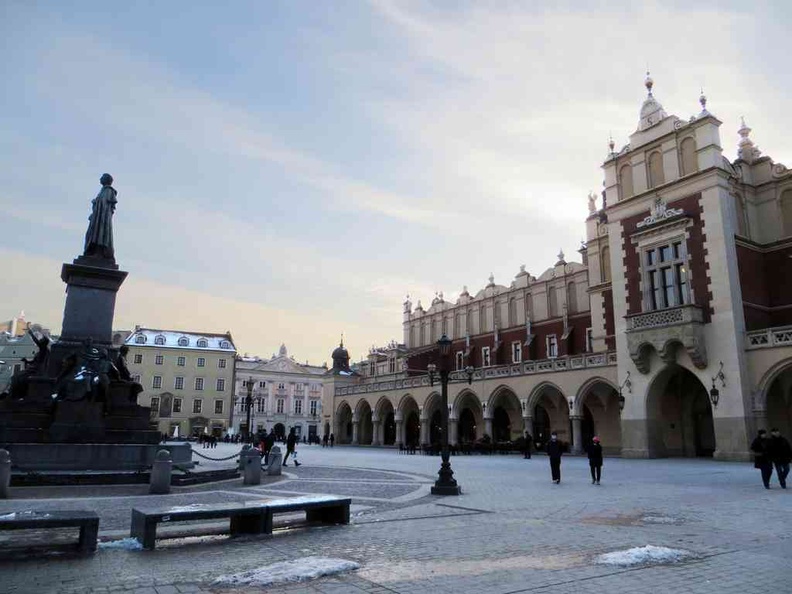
[218,459]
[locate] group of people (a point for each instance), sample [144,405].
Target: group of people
[328,438]
[555,450]
[769,452]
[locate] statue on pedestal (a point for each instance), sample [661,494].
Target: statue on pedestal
[99,237]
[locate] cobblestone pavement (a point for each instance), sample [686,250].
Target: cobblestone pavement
[511,531]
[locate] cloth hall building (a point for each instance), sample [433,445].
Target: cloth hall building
[681,304]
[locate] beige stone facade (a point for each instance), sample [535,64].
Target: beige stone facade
[680,312]
[187,379]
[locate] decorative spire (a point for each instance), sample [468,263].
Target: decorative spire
[651,111]
[560,258]
[611,144]
[648,83]
[464,292]
[746,149]
[592,202]
[342,339]
[703,101]
[491,280]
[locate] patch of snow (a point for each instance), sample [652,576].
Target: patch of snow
[298,570]
[642,555]
[10,516]
[189,507]
[24,514]
[127,544]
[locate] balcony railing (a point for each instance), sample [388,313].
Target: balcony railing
[664,317]
[484,373]
[770,337]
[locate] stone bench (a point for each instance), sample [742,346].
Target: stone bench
[252,517]
[87,521]
[245,518]
[327,509]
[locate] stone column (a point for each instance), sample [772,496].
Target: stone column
[399,436]
[452,432]
[488,426]
[577,435]
[424,430]
[355,427]
[377,438]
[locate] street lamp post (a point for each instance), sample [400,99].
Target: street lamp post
[445,483]
[249,406]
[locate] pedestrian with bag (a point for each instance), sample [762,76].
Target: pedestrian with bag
[554,453]
[291,444]
[595,460]
[762,459]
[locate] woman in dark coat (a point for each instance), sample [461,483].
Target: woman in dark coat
[762,459]
[595,460]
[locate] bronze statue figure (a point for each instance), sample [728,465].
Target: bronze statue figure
[99,237]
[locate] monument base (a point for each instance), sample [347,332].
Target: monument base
[38,457]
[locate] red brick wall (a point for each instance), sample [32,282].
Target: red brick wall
[765,280]
[610,321]
[696,248]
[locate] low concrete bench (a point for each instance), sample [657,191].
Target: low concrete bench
[245,518]
[326,509]
[87,521]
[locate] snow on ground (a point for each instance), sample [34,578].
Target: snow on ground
[298,570]
[641,555]
[658,520]
[128,544]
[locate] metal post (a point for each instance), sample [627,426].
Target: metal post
[445,483]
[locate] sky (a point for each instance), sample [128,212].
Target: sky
[290,170]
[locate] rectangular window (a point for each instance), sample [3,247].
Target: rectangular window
[136,378]
[262,385]
[589,340]
[221,363]
[199,383]
[391,365]
[552,346]
[156,382]
[158,360]
[218,407]
[279,409]
[261,404]
[314,404]
[665,276]
[177,404]
[138,358]
[181,361]
[178,383]
[460,360]
[220,384]
[281,386]
[201,362]
[298,407]
[485,357]
[517,352]
[197,406]
[155,404]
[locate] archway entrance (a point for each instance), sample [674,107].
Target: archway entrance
[365,424]
[541,426]
[551,413]
[280,430]
[679,415]
[388,420]
[343,433]
[506,418]
[779,404]
[470,418]
[412,429]
[501,426]
[327,429]
[601,416]
[467,427]
[436,428]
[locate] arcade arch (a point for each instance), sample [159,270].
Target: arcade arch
[343,421]
[777,396]
[469,416]
[550,413]
[365,429]
[507,422]
[387,417]
[679,415]
[597,402]
[411,421]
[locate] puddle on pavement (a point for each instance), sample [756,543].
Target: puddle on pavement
[635,519]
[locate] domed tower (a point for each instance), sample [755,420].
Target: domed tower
[340,359]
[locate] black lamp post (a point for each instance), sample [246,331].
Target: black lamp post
[622,399]
[249,406]
[445,483]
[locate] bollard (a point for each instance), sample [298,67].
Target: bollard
[275,461]
[5,474]
[161,474]
[252,470]
[242,456]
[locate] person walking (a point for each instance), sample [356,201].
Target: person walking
[332,439]
[291,443]
[324,440]
[595,460]
[269,441]
[780,454]
[554,453]
[528,444]
[762,459]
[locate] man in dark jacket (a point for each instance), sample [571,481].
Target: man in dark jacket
[554,453]
[595,460]
[780,454]
[528,444]
[269,441]
[291,443]
[762,459]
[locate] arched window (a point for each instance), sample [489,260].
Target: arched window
[656,175]
[626,181]
[741,224]
[552,303]
[687,151]
[605,265]
[184,341]
[786,212]
[159,340]
[140,339]
[202,343]
[572,306]
[224,344]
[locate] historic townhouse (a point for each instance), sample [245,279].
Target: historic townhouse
[187,379]
[671,337]
[284,394]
